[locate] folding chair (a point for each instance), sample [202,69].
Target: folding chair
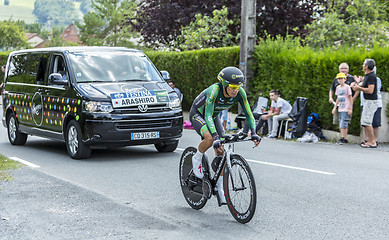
[286,121]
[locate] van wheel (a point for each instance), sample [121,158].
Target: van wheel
[73,138]
[166,147]
[15,137]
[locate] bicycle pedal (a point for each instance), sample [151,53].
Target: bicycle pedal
[207,188]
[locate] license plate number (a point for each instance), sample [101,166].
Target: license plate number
[144,135]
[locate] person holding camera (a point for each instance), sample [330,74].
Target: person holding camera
[369,88]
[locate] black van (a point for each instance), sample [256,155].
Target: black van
[89,97]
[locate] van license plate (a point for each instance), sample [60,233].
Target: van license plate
[144,135]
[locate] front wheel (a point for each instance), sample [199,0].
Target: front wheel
[240,190]
[76,148]
[15,137]
[191,186]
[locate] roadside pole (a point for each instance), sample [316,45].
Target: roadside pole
[247,41]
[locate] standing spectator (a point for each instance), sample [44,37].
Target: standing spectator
[369,88]
[279,110]
[343,68]
[172,84]
[377,115]
[344,105]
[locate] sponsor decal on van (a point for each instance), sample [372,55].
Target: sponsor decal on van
[143,97]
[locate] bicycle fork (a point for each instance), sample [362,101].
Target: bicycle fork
[229,166]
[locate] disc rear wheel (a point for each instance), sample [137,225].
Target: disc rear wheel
[191,186]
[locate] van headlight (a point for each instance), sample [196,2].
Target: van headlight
[175,103]
[96,107]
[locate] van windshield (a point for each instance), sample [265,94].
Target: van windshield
[113,66]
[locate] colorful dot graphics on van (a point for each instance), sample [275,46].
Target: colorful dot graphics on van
[54,108]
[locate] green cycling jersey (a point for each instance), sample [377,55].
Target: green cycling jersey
[210,102]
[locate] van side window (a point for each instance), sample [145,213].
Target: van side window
[16,68]
[28,68]
[59,66]
[41,75]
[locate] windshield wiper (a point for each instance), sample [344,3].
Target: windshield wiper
[91,81]
[133,80]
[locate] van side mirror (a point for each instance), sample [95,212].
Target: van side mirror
[56,79]
[165,75]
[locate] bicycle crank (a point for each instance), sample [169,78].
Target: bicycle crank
[207,188]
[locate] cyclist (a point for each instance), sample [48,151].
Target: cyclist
[204,118]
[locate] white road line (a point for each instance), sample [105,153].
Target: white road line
[283,166]
[24,162]
[291,167]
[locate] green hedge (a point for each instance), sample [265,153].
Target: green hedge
[279,64]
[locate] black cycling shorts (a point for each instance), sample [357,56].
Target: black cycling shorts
[198,123]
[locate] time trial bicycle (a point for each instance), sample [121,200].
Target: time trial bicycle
[238,181]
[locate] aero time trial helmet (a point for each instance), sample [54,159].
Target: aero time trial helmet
[231,75]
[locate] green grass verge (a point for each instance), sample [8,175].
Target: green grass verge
[5,165]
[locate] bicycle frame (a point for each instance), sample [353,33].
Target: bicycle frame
[226,161]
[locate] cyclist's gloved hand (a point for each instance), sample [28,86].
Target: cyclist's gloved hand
[255,137]
[217,143]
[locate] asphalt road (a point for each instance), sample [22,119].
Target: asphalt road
[305,191]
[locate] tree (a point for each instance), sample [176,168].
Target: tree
[85,6]
[53,36]
[385,5]
[351,23]
[273,17]
[105,24]
[207,32]
[171,16]
[285,17]
[34,28]
[55,12]
[11,36]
